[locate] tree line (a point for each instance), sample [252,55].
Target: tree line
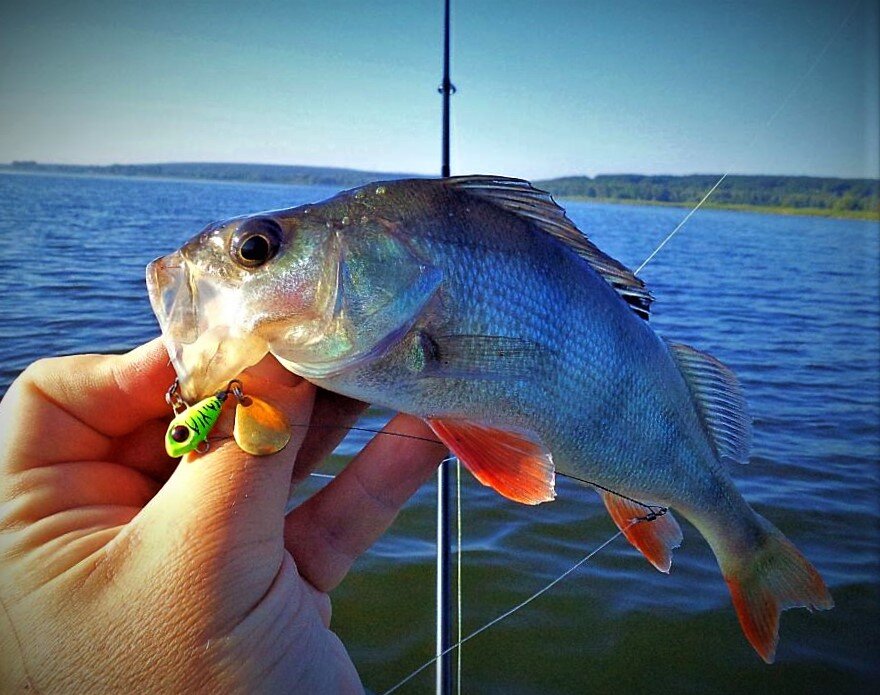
[831,194]
[792,192]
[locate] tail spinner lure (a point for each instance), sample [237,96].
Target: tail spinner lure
[260,428]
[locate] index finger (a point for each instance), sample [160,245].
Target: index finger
[108,395]
[329,531]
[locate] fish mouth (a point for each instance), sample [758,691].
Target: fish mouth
[202,326]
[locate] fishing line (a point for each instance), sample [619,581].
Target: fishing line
[370,430]
[458,569]
[511,611]
[653,512]
[323,475]
[758,132]
[653,509]
[681,224]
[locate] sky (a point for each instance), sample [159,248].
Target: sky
[545,89]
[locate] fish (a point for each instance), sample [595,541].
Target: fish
[475,303]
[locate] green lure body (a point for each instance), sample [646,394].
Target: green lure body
[191,427]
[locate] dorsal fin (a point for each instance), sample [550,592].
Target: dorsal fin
[522,199]
[719,399]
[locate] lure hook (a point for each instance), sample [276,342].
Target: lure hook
[654,513]
[174,399]
[236,388]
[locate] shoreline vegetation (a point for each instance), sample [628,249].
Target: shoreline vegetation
[870,215]
[787,195]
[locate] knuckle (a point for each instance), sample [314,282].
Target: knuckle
[36,371]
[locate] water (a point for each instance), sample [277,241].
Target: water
[791,304]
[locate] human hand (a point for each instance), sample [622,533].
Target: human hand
[126,571]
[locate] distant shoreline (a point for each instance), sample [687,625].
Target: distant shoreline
[867,215]
[839,196]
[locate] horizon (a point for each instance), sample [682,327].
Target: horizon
[708,174]
[780,88]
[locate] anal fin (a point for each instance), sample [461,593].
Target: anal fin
[655,539]
[515,464]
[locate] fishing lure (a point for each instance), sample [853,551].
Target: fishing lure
[191,425]
[260,428]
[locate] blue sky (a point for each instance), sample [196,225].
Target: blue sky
[545,88]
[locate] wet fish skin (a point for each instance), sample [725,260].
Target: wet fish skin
[467,302]
[500,279]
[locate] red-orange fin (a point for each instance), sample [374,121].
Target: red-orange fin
[655,539]
[515,464]
[775,576]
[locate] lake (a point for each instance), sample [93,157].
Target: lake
[789,303]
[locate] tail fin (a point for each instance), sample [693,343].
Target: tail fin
[762,584]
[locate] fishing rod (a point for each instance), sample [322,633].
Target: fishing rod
[443,680]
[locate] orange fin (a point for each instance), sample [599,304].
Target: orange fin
[514,464]
[774,577]
[654,539]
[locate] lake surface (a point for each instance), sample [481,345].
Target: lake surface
[791,304]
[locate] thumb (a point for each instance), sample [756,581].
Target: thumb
[221,514]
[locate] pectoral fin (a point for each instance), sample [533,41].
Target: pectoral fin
[483,357]
[515,464]
[655,539]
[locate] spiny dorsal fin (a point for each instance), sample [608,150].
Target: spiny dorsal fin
[719,400]
[522,199]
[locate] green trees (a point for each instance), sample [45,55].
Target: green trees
[796,192]
[858,197]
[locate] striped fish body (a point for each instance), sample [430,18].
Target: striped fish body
[475,304]
[525,335]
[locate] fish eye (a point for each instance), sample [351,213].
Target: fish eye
[256,242]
